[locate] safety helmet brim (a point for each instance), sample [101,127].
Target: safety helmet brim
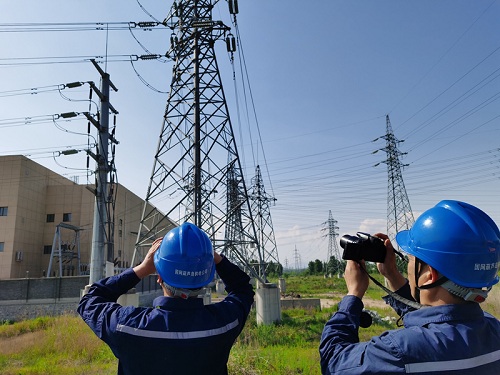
[403,239]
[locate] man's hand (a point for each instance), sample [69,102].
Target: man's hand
[217,258]
[389,269]
[147,267]
[356,278]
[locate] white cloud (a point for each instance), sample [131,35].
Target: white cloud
[372,226]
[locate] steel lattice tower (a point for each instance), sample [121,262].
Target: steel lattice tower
[237,248]
[399,213]
[296,257]
[197,175]
[260,203]
[333,249]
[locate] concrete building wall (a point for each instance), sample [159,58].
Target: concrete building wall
[9,187]
[128,214]
[23,188]
[73,205]
[28,213]
[37,201]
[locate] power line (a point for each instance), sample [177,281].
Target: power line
[441,58]
[49,60]
[76,26]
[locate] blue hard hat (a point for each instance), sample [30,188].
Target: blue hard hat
[185,258]
[458,240]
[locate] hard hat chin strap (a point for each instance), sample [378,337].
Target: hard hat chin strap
[181,292]
[468,294]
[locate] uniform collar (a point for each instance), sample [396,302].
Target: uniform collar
[170,303]
[443,314]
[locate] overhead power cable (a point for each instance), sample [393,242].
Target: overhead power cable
[245,78]
[20,121]
[452,85]
[82,26]
[143,80]
[42,150]
[459,100]
[12,61]
[441,58]
[41,89]
[148,13]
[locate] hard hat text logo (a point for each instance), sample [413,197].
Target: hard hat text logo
[485,266]
[191,273]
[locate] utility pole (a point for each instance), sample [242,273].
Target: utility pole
[399,213]
[102,234]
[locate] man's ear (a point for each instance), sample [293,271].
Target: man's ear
[432,275]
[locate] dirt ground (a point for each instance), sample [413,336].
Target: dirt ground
[331,299]
[18,343]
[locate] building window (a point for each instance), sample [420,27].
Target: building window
[3,211]
[67,217]
[47,249]
[120,233]
[51,218]
[1,246]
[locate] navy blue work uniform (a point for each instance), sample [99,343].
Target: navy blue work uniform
[176,336]
[447,339]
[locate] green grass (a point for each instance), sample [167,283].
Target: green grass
[64,345]
[314,286]
[9,330]
[60,345]
[310,286]
[290,347]
[274,360]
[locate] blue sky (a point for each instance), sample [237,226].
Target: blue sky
[323,76]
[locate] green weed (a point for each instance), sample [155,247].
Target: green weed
[60,345]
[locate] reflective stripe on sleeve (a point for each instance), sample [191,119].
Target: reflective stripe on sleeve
[457,364]
[176,335]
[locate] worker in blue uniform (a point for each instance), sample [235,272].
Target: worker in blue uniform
[453,258]
[179,334]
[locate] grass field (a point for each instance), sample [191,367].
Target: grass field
[64,345]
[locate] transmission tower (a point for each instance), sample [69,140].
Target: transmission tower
[296,257]
[399,213]
[197,175]
[333,249]
[260,203]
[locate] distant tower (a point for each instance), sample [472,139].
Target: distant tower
[197,175]
[333,249]
[296,257]
[399,213]
[260,203]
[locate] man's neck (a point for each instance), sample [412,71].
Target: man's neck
[438,296]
